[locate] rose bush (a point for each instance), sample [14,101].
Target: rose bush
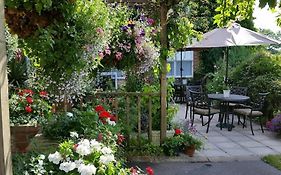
[28,107]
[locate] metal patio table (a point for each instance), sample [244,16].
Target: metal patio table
[224,106]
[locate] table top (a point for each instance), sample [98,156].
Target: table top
[231,98]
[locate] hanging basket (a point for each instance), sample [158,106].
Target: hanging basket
[24,23]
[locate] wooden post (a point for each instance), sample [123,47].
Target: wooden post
[163,79]
[5,141]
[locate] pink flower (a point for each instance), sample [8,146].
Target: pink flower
[118,56]
[107,51]
[43,93]
[101,55]
[99,31]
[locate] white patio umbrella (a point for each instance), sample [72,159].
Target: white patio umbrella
[234,35]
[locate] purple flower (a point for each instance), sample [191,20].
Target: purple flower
[99,31]
[101,55]
[142,32]
[124,28]
[150,21]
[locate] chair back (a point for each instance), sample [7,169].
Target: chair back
[259,104]
[239,90]
[199,99]
[194,88]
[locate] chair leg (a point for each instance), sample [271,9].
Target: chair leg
[202,121]
[208,125]
[186,110]
[251,125]
[244,121]
[221,120]
[192,118]
[261,125]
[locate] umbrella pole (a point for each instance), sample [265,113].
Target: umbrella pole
[226,66]
[181,66]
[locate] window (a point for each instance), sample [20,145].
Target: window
[186,65]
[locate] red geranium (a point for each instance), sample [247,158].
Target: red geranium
[28,109]
[149,171]
[104,114]
[99,108]
[43,93]
[28,91]
[29,100]
[178,131]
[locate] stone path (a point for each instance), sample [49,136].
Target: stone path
[223,145]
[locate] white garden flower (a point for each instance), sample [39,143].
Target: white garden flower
[69,114]
[78,162]
[55,158]
[110,122]
[83,147]
[87,169]
[105,159]
[42,157]
[67,166]
[106,150]
[74,134]
[96,145]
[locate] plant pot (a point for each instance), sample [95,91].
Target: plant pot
[189,150]
[226,93]
[21,136]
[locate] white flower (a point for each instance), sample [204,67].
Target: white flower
[42,156]
[83,147]
[74,134]
[105,159]
[96,145]
[55,158]
[110,122]
[106,150]
[67,166]
[87,169]
[78,163]
[69,114]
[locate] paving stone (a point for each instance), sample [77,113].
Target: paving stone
[276,148]
[250,144]
[263,151]
[238,152]
[272,142]
[228,145]
[218,139]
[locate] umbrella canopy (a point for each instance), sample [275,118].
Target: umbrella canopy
[234,35]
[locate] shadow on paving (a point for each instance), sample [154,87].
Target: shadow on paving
[226,168]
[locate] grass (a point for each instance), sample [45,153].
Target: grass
[273,160]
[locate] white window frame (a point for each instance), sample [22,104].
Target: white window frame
[177,58]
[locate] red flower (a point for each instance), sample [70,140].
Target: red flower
[28,91]
[149,170]
[178,131]
[99,108]
[100,137]
[120,139]
[113,118]
[29,100]
[20,93]
[43,93]
[105,114]
[28,109]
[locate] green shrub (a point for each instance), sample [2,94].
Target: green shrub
[261,75]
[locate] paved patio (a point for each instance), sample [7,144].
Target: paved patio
[223,145]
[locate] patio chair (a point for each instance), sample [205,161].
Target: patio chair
[179,94]
[201,105]
[254,110]
[237,90]
[196,88]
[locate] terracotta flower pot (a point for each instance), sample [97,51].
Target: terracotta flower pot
[21,136]
[189,150]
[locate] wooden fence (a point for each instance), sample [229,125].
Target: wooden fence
[131,97]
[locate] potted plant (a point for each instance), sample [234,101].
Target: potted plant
[27,108]
[190,144]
